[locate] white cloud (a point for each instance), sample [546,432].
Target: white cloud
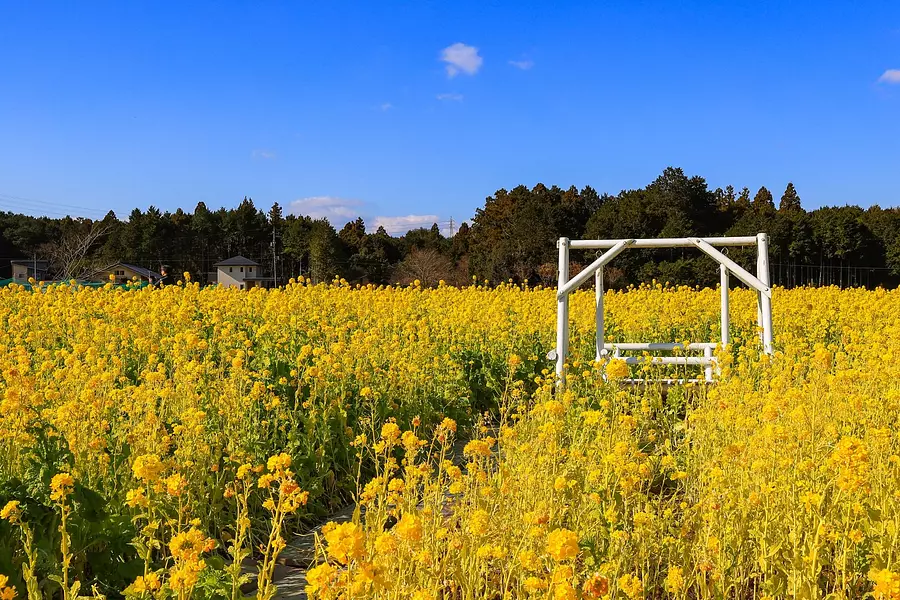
[461,58]
[336,210]
[263,154]
[890,76]
[522,64]
[450,97]
[400,225]
[386,106]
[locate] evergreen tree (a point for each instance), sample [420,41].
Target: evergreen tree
[790,201]
[763,202]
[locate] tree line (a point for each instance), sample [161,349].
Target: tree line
[511,237]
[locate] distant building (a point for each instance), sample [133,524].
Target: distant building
[124,272]
[24,268]
[241,273]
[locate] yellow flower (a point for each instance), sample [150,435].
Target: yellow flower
[143,584]
[390,432]
[674,580]
[529,560]
[851,460]
[479,447]
[61,486]
[410,441]
[631,585]
[137,498]
[147,467]
[617,369]
[562,544]
[385,544]
[320,579]
[367,576]
[189,545]
[346,542]
[595,586]
[887,584]
[484,552]
[478,522]
[7,592]
[564,591]
[409,528]
[562,574]
[533,585]
[184,576]
[11,512]
[176,485]
[278,463]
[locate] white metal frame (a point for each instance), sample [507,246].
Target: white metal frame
[760,282]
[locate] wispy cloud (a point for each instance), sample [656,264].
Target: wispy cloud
[330,207]
[890,76]
[263,155]
[524,64]
[386,106]
[401,225]
[461,58]
[450,97]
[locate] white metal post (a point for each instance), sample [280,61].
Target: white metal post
[598,307]
[708,369]
[726,320]
[562,311]
[765,300]
[759,316]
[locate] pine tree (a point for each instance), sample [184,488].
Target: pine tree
[790,201]
[763,201]
[743,200]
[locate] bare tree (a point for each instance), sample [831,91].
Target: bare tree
[549,273]
[68,255]
[428,266]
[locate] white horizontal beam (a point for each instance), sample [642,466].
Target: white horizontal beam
[666,242]
[660,346]
[661,382]
[668,360]
[574,283]
[732,266]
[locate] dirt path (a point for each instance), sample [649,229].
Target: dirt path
[299,555]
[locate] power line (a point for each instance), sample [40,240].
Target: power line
[42,204]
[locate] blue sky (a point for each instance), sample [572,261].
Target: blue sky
[410,112]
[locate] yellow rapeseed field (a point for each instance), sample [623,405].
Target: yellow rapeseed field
[151,440]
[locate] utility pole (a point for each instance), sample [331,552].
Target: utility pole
[274,254]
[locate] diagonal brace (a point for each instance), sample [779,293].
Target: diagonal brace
[574,283]
[732,266]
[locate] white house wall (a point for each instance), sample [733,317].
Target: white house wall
[234,278]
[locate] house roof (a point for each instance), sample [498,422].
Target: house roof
[41,264]
[237,261]
[147,273]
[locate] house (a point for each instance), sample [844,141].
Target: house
[123,273]
[241,273]
[24,268]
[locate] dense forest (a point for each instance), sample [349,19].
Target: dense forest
[512,237]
